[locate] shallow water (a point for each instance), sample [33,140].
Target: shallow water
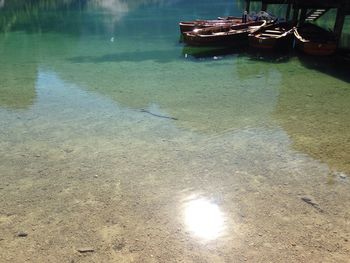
[116,137]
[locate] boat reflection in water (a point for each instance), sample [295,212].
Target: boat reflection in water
[204,218]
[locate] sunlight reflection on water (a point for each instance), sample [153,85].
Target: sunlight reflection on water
[204,219]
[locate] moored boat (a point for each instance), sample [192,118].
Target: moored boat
[186,26]
[227,35]
[314,40]
[275,36]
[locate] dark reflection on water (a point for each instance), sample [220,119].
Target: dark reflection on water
[34,15]
[18,73]
[336,66]
[17,90]
[270,56]
[161,56]
[313,109]
[210,52]
[72,16]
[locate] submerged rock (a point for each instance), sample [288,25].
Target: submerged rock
[22,234]
[339,175]
[86,250]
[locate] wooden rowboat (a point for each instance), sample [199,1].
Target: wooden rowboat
[275,36]
[227,35]
[186,26]
[314,40]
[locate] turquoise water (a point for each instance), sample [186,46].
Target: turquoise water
[115,136]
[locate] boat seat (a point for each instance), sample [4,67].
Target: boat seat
[219,33]
[273,31]
[269,35]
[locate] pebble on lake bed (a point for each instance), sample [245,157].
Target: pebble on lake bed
[340,175]
[22,234]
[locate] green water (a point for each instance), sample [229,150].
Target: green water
[115,136]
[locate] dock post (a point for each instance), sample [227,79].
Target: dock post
[288,11]
[295,14]
[264,6]
[339,23]
[247,5]
[302,16]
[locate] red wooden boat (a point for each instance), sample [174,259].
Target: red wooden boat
[274,36]
[314,40]
[227,35]
[186,26]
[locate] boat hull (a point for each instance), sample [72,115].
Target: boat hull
[283,43]
[191,25]
[223,36]
[314,40]
[316,49]
[233,40]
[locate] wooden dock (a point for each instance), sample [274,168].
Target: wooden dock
[301,11]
